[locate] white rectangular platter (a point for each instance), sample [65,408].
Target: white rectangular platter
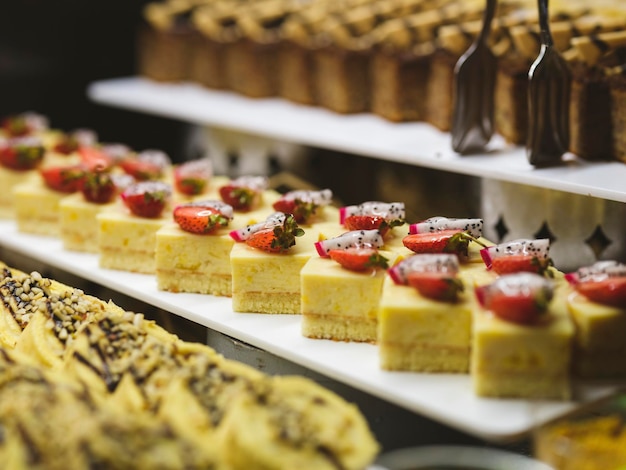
[447,398]
[413,143]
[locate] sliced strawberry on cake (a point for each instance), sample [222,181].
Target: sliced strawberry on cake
[444,235]
[529,255]
[192,177]
[359,259]
[303,204]
[100,186]
[519,298]
[603,282]
[203,217]
[71,142]
[146,165]
[21,153]
[277,239]
[24,124]
[147,198]
[244,193]
[64,179]
[373,215]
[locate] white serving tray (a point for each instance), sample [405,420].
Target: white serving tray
[368,135]
[447,398]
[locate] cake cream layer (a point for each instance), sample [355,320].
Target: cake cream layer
[420,334]
[523,361]
[127,242]
[340,304]
[189,262]
[9,179]
[37,208]
[268,282]
[78,220]
[599,346]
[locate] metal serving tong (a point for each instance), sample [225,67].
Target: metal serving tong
[474,83]
[549,81]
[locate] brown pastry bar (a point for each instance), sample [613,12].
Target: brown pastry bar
[163,41]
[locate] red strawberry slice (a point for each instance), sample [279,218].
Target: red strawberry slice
[277,239]
[520,298]
[359,259]
[65,179]
[520,308]
[192,177]
[147,198]
[93,158]
[366,222]
[520,263]
[98,186]
[200,219]
[444,241]
[301,210]
[141,170]
[436,285]
[22,154]
[610,291]
[24,124]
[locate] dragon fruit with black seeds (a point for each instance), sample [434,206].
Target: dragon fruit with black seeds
[352,239]
[388,210]
[539,248]
[436,224]
[598,271]
[427,262]
[273,220]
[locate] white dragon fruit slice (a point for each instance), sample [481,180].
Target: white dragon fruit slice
[436,224]
[540,247]
[355,238]
[256,183]
[158,158]
[225,209]
[273,220]
[427,262]
[598,271]
[515,284]
[390,211]
[322,197]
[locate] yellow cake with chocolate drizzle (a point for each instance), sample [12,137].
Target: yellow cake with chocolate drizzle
[53,417]
[144,398]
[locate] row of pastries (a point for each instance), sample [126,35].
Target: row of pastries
[297,253]
[395,59]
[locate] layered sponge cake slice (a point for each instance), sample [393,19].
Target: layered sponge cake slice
[425,317]
[522,339]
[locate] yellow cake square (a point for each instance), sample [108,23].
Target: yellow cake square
[78,220]
[268,282]
[189,262]
[128,242]
[9,179]
[339,304]
[599,346]
[37,208]
[523,361]
[420,334]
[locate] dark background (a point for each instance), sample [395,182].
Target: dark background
[50,50]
